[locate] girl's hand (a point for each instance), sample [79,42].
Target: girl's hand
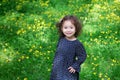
[71,70]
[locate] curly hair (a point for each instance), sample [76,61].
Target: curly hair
[74,20]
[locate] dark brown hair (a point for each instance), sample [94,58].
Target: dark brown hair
[75,22]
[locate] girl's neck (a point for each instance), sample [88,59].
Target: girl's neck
[71,38]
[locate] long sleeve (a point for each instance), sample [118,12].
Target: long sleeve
[80,55]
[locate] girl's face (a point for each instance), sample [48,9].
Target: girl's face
[68,29]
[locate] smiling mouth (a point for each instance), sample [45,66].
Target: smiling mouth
[68,33]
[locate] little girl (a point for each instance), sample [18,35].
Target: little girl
[70,53]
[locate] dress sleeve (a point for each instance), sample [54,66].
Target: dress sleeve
[80,55]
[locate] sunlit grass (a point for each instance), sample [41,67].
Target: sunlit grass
[29,38]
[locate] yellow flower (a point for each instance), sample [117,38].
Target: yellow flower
[48,51]
[90,34]
[40,47]
[114,61]
[30,50]
[94,73]
[91,39]
[41,54]
[105,36]
[18,78]
[99,36]
[92,63]
[110,37]
[96,64]
[102,32]
[95,59]
[23,57]
[36,51]
[7,60]
[100,75]
[48,69]
[29,27]
[19,31]
[88,56]
[33,46]
[102,79]
[93,68]
[18,7]
[48,57]
[25,78]
[4,50]
[19,60]
[106,76]
[112,64]
[27,57]
[116,32]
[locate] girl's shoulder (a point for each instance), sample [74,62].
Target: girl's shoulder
[78,43]
[61,38]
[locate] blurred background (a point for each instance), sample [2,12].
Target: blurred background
[28,37]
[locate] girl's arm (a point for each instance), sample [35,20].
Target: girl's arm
[81,56]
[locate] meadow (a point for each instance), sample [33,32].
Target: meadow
[28,37]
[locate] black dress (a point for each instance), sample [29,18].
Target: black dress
[68,53]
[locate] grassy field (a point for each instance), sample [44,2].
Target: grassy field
[28,37]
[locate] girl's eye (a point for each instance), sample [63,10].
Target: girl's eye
[65,27]
[71,27]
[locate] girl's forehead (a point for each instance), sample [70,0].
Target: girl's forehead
[68,22]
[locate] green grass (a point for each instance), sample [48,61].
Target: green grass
[28,38]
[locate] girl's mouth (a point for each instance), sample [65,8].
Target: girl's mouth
[68,33]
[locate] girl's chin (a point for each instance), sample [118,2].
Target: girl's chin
[69,36]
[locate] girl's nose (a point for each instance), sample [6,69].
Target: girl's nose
[68,29]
